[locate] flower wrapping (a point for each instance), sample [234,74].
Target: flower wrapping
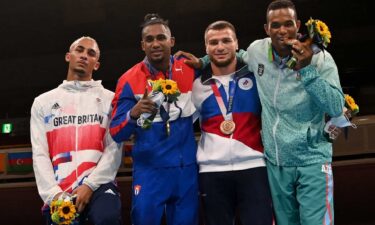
[63,210]
[162,91]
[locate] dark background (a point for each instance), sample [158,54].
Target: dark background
[35,35]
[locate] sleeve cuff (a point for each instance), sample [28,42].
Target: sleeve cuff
[308,73]
[90,185]
[130,119]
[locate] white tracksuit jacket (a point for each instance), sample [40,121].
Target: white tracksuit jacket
[69,138]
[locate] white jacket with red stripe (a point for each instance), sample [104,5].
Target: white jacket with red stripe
[70,140]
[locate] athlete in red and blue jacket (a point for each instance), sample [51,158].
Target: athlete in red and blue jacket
[164,156]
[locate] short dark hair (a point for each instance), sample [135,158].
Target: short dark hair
[219,25]
[281,4]
[154,18]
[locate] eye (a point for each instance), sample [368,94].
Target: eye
[289,24]
[213,42]
[227,40]
[79,49]
[149,39]
[161,37]
[275,25]
[91,52]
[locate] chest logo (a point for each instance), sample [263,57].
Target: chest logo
[56,109]
[245,83]
[260,69]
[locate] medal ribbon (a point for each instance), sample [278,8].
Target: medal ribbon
[226,111]
[164,112]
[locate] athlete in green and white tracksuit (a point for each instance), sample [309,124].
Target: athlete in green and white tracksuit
[294,105]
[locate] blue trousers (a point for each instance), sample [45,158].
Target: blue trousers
[171,190]
[104,208]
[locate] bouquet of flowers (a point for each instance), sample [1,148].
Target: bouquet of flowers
[350,109]
[162,91]
[63,210]
[351,105]
[318,35]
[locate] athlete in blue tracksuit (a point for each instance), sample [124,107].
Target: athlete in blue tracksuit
[164,162]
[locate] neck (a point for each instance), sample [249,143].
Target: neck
[78,76]
[161,66]
[224,70]
[282,52]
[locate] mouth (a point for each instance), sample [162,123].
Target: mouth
[81,62]
[157,52]
[221,55]
[285,40]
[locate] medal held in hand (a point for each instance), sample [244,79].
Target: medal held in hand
[227,127]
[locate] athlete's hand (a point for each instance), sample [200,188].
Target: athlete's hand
[144,105]
[334,132]
[83,194]
[190,60]
[302,52]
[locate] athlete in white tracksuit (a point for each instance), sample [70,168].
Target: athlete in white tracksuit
[72,150]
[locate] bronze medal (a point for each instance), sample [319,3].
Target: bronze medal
[227,127]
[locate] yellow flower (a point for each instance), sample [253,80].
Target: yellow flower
[156,84]
[309,22]
[67,210]
[350,103]
[169,87]
[323,30]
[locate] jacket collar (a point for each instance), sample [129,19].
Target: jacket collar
[275,58]
[80,85]
[241,70]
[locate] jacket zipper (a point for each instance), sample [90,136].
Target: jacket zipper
[76,140]
[274,128]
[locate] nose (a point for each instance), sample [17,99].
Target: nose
[220,46]
[83,55]
[282,29]
[155,43]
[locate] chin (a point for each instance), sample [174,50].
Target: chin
[221,63]
[80,71]
[156,59]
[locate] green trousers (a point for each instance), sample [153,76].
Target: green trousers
[302,195]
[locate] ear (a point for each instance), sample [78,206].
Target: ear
[298,24]
[143,45]
[266,29]
[172,41]
[96,66]
[67,57]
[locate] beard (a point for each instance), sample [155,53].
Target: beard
[222,63]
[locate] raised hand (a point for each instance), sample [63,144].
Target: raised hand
[144,105]
[302,52]
[190,60]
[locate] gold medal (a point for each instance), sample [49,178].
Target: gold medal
[227,126]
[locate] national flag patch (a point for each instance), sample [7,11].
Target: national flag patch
[20,162]
[137,189]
